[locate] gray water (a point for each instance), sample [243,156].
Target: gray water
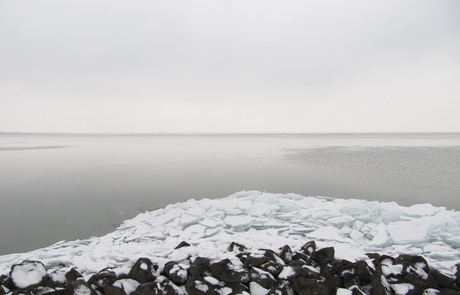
[65,187]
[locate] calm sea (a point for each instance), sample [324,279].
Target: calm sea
[64,187]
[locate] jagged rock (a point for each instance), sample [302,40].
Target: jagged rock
[4,290]
[272,267]
[102,278]
[380,285]
[273,256]
[236,247]
[22,292]
[166,287]
[149,288]
[223,271]
[199,266]
[261,277]
[175,272]
[6,282]
[73,275]
[324,255]
[182,244]
[412,261]
[250,260]
[27,274]
[309,247]
[307,286]
[121,287]
[281,287]
[286,254]
[199,286]
[448,292]
[443,280]
[143,270]
[300,256]
[457,275]
[79,287]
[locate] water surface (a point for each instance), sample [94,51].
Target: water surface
[56,187]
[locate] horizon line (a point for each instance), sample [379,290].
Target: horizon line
[222,133]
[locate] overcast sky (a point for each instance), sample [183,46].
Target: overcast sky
[229,66]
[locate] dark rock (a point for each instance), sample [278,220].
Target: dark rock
[380,285]
[27,274]
[443,280]
[102,278]
[143,270]
[149,288]
[73,275]
[412,261]
[175,272]
[448,292]
[281,287]
[324,255]
[307,286]
[357,291]
[237,288]
[199,286]
[249,261]
[224,271]
[236,247]
[4,290]
[166,287]
[263,278]
[272,267]
[199,266]
[300,256]
[273,256]
[286,254]
[309,247]
[457,275]
[125,286]
[79,287]
[6,282]
[22,292]
[182,244]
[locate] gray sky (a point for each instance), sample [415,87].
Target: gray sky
[229,66]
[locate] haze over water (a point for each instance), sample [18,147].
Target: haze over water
[56,187]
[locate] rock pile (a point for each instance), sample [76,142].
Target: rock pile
[283,272]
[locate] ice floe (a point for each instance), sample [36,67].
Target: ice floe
[261,221]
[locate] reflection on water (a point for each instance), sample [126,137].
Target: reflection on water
[67,187]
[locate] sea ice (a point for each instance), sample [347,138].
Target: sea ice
[261,221]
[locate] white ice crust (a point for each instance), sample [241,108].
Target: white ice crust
[260,221]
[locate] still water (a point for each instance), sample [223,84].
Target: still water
[65,187]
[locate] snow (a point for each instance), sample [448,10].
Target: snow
[256,289]
[260,221]
[401,289]
[342,291]
[27,274]
[128,285]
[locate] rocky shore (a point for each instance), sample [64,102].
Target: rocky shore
[280,272]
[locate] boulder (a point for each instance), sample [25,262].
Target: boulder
[324,255]
[143,270]
[225,271]
[102,278]
[123,286]
[199,266]
[176,272]
[79,287]
[27,274]
[199,286]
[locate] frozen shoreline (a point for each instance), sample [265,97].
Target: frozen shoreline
[263,220]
